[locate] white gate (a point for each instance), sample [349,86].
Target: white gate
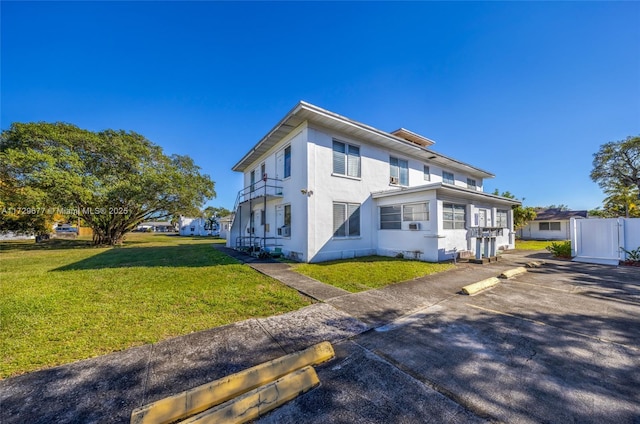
[599,241]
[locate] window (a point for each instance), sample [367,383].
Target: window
[390,217]
[252,178]
[287,215]
[549,226]
[454,216]
[346,159]
[415,212]
[263,170]
[447,177]
[263,217]
[427,175]
[346,220]
[501,218]
[399,171]
[471,183]
[287,162]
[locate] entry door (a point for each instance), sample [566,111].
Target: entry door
[482,218]
[279,216]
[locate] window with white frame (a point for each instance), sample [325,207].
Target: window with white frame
[287,162]
[453,216]
[346,159]
[346,220]
[415,212]
[447,177]
[287,215]
[501,218]
[471,183]
[549,226]
[399,171]
[426,173]
[391,217]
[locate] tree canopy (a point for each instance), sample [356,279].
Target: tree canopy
[522,215]
[620,201]
[617,164]
[213,212]
[112,179]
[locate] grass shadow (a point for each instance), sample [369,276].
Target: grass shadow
[53,244]
[180,255]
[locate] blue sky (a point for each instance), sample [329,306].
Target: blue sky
[527,91]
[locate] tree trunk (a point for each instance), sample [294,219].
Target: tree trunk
[109,237]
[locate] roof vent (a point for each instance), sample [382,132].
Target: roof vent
[412,137]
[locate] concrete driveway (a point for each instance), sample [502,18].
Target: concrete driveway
[558,344]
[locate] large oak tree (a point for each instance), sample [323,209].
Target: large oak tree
[617,164]
[111,179]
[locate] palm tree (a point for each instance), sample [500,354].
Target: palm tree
[621,200]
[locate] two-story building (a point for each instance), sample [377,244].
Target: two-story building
[320,186]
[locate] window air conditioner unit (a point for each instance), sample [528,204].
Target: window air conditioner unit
[414,226]
[284,231]
[393,180]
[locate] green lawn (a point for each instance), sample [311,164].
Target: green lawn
[370,272]
[65,300]
[533,244]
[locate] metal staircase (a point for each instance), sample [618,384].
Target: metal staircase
[243,228]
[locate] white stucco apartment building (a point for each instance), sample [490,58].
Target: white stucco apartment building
[320,186]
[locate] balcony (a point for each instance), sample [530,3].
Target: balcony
[266,188]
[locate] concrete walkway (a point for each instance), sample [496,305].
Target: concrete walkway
[108,388]
[282,272]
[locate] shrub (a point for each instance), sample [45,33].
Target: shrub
[632,255]
[561,250]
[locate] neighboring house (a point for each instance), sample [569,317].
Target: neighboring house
[196,227]
[550,224]
[156,227]
[225,225]
[320,186]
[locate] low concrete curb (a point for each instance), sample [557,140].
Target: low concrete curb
[208,395]
[480,285]
[261,400]
[513,272]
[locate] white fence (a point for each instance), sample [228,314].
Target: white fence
[599,241]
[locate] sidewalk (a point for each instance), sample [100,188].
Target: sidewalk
[282,272]
[108,388]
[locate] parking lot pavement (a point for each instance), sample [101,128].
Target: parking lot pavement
[557,344]
[360,387]
[539,348]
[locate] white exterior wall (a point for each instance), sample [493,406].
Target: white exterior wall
[291,186]
[414,244]
[435,171]
[531,231]
[328,188]
[192,227]
[225,223]
[312,237]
